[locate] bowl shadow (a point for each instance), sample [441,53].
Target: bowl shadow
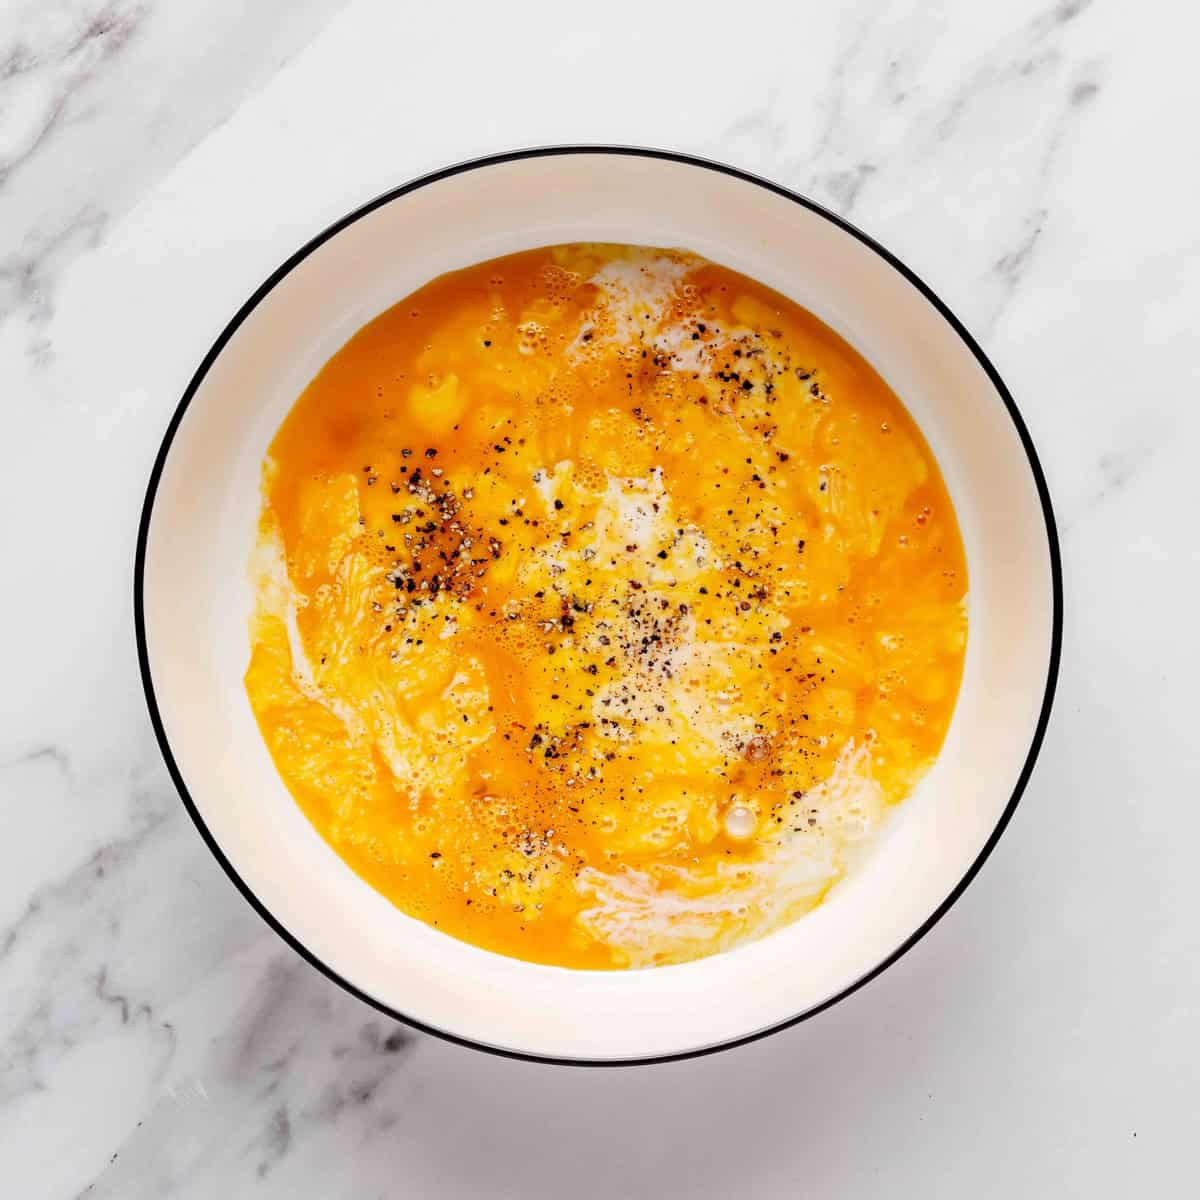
[798,1107]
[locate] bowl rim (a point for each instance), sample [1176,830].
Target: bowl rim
[690,160]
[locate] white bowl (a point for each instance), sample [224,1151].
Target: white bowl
[193,601]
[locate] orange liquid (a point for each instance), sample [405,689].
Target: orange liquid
[607,601]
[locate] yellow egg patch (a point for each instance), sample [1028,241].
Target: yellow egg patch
[607,602]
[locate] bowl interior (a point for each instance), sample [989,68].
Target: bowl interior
[196,600]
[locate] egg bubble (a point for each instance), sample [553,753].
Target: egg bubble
[740,822]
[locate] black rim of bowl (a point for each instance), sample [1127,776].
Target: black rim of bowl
[756,181]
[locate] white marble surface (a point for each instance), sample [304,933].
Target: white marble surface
[1035,161]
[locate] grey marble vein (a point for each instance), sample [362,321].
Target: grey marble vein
[49,73]
[50,753]
[284,1073]
[856,162]
[66,925]
[102,97]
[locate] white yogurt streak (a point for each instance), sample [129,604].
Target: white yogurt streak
[681,913]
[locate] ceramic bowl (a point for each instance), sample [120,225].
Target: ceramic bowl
[193,601]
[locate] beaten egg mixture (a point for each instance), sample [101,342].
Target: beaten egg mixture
[606,601]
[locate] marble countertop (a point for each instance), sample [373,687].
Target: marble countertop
[1033,160]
